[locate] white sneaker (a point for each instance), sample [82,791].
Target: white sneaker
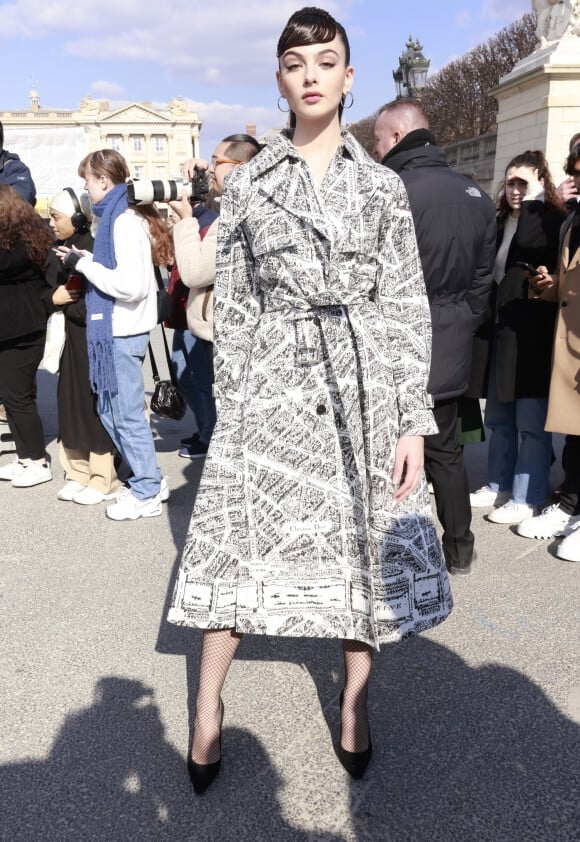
[33,474]
[552,522]
[163,490]
[569,548]
[129,507]
[484,498]
[69,489]
[11,470]
[90,496]
[511,512]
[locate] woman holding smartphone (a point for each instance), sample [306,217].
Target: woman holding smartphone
[86,451]
[512,353]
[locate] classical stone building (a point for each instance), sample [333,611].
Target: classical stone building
[52,142]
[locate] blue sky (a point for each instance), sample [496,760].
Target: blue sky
[219,55]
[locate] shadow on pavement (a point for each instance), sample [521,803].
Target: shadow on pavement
[460,753]
[112,777]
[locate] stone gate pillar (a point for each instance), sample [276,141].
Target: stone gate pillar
[539,100]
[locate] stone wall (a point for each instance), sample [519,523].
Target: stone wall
[475,158]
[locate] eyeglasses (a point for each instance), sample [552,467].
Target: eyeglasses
[215,162]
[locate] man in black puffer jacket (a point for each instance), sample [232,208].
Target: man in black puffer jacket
[455,226]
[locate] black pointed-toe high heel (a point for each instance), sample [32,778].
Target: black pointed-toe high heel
[355,762]
[202,775]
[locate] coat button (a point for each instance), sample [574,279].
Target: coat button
[564,303]
[321,409]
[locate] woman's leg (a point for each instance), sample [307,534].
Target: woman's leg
[354,720]
[75,464]
[500,417]
[19,361]
[532,468]
[123,416]
[218,650]
[102,473]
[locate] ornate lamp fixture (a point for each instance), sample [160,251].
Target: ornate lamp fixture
[411,75]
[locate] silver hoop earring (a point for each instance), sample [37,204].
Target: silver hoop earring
[283,110]
[343,100]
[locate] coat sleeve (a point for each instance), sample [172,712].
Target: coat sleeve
[237,305]
[402,299]
[195,257]
[479,296]
[130,280]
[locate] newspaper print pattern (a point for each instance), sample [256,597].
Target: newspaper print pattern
[322,347]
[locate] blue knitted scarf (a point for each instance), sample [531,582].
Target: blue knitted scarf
[102,372]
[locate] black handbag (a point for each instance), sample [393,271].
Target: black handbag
[164,303]
[167,400]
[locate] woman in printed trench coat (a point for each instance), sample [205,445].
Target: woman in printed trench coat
[322,350]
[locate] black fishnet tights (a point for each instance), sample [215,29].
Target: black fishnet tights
[353,716]
[217,652]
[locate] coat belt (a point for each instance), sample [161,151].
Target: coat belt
[308,318]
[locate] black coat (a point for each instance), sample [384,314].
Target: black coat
[456,231]
[23,295]
[79,426]
[524,329]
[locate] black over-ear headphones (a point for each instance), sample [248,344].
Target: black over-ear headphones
[78,220]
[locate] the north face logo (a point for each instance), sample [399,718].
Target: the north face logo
[473,191]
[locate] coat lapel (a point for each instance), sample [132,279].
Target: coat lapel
[335,209]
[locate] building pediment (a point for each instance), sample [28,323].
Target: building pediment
[134,113]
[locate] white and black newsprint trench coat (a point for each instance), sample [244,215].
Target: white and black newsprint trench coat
[322,350]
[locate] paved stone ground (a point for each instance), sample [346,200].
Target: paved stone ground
[474,724]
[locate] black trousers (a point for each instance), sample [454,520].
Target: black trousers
[19,361]
[569,496]
[446,469]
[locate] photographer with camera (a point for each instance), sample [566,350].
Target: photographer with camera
[121,303]
[191,285]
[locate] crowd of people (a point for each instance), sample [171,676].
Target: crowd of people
[335,324]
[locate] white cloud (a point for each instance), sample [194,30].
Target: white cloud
[505,11]
[107,89]
[221,119]
[463,19]
[229,42]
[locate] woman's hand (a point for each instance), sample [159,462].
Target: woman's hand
[62,252]
[408,466]
[73,254]
[535,187]
[567,190]
[542,280]
[62,296]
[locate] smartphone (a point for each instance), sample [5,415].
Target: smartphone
[74,282]
[527,267]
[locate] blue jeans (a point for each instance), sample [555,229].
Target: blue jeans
[524,467]
[123,416]
[193,372]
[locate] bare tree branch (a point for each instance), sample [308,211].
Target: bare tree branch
[456,99]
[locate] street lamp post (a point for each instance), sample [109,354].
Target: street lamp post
[411,75]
